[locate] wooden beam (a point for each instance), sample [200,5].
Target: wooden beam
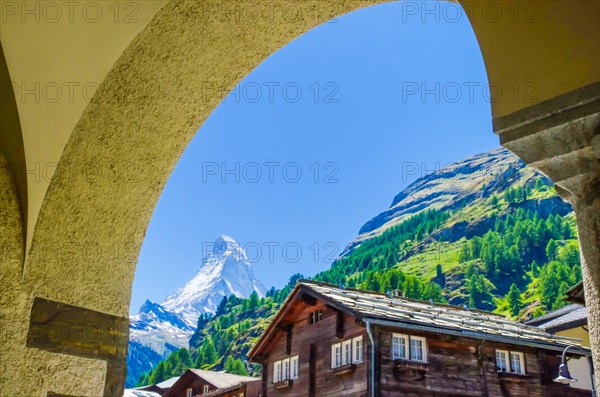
[288,342]
[62,328]
[308,299]
[339,324]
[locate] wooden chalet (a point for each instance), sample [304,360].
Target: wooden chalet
[327,341]
[160,388]
[197,382]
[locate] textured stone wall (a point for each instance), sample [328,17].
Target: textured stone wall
[92,222]
[24,371]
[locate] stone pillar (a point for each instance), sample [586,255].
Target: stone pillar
[586,203]
[561,138]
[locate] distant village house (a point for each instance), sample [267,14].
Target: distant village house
[197,382]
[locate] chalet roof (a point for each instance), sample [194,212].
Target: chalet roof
[139,393]
[413,314]
[168,383]
[552,315]
[223,390]
[221,379]
[159,387]
[570,316]
[575,294]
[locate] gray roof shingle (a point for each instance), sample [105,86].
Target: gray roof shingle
[570,319]
[221,379]
[366,304]
[552,315]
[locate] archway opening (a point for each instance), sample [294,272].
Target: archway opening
[322,136]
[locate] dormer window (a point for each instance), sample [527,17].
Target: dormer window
[315,316]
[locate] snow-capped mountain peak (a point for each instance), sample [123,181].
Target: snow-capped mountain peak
[225,270]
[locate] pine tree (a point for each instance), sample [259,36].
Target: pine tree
[434,292]
[480,295]
[229,364]
[222,307]
[158,375]
[494,201]
[209,353]
[185,358]
[440,278]
[535,269]
[239,368]
[514,299]
[142,380]
[560,296]
[413,288]
[253,301]
[551,249]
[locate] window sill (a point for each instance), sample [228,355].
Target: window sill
[513,377]
[418,365]
[344,369]
[282,384]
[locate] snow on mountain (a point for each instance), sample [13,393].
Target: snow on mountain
[226,270]
[154,327]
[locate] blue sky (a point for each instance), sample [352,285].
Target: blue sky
[316,141]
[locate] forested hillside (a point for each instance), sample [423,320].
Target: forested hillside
[508,245]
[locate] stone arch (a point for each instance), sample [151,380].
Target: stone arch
[127,141]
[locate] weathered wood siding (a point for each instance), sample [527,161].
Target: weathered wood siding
[466,367]
[321,335]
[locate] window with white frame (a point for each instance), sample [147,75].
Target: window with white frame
[277,371]
[189,393]
[295,367]
[399,350]
[510,361]
[502,360]
[357,347]
[347,352]
[336,355]
[417,348]
[517,362]
[287,368]
[409,347]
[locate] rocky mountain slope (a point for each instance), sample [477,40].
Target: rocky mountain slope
[451,188]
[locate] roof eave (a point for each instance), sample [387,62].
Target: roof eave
[477,335]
